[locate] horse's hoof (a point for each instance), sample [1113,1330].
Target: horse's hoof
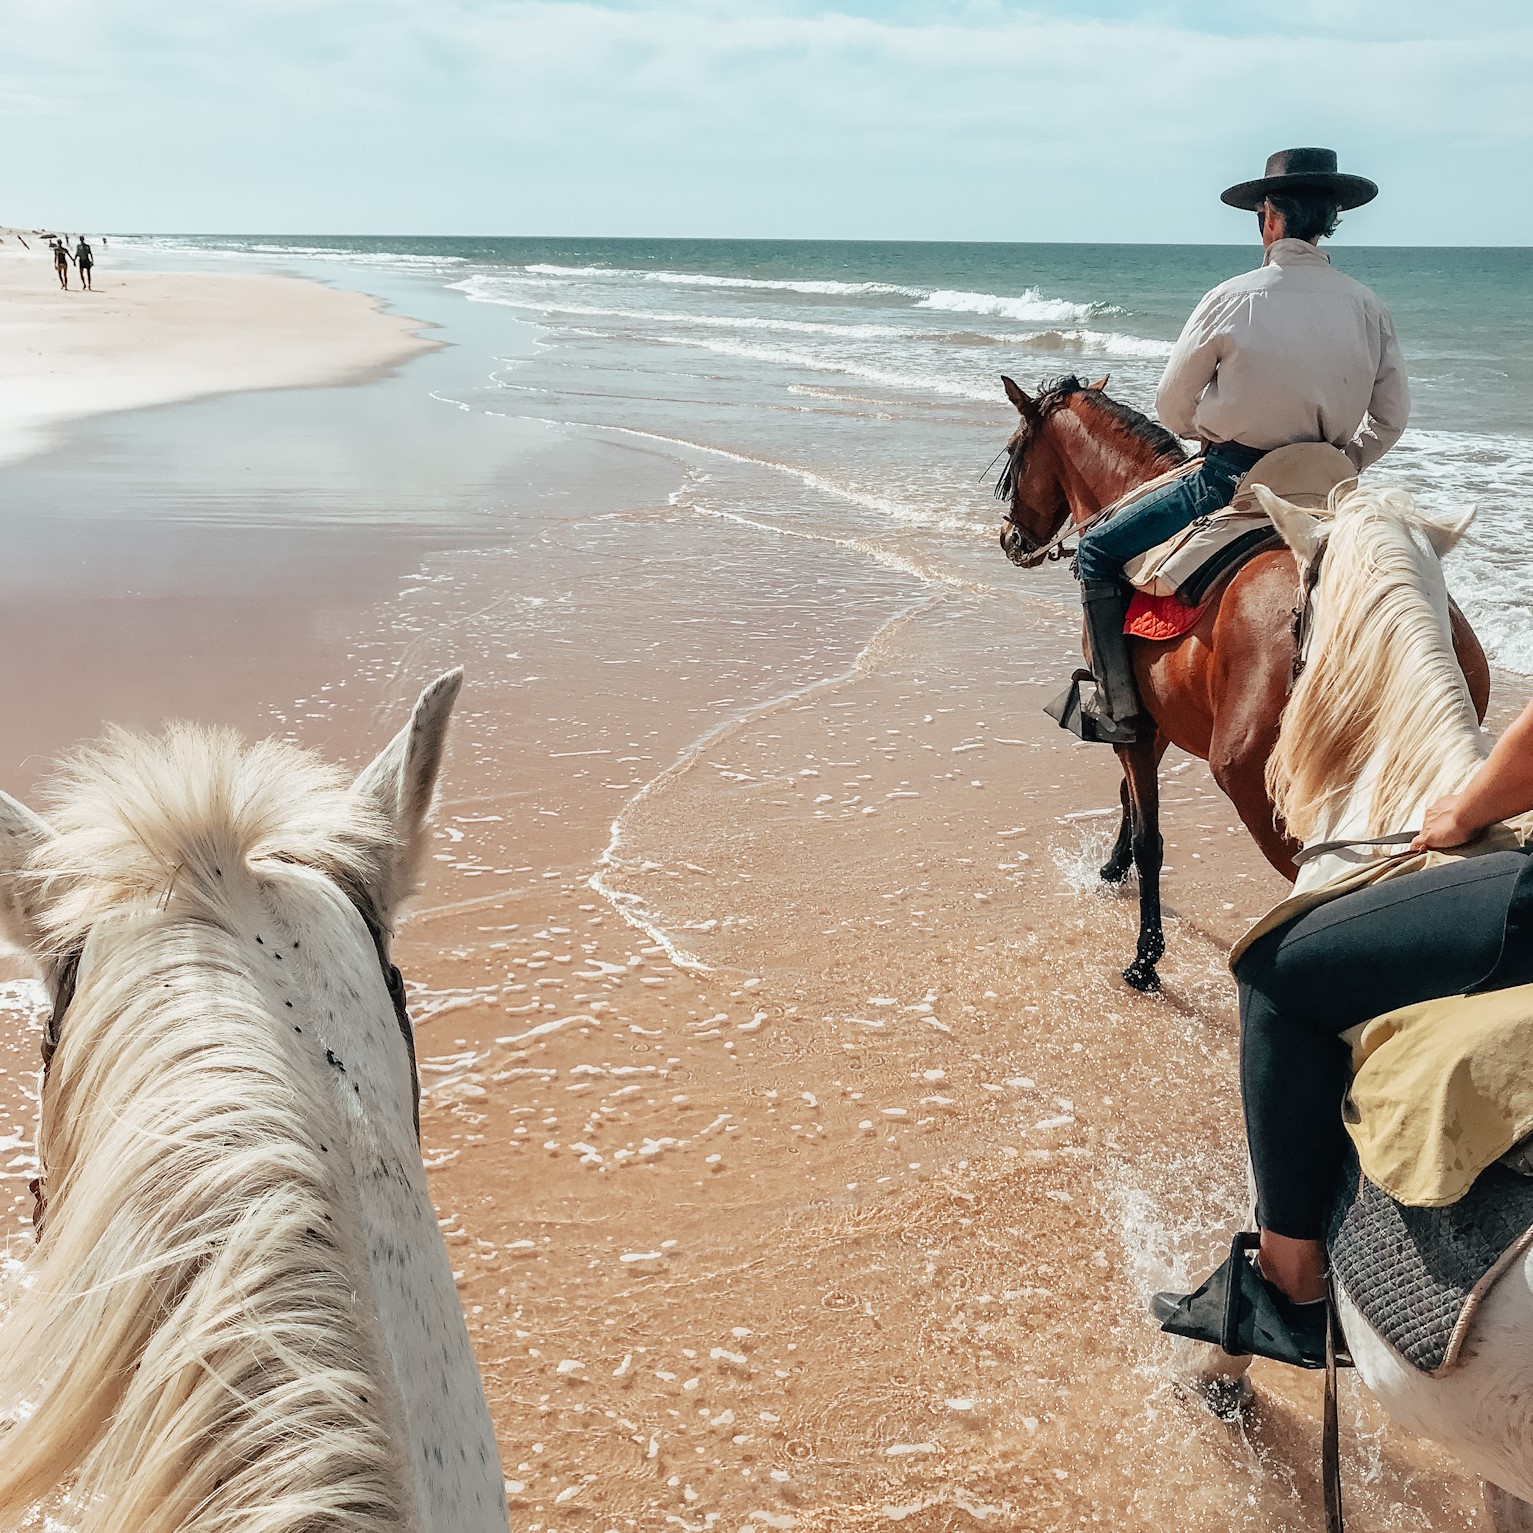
[1227,1399]
[1112,873]
[1141,976]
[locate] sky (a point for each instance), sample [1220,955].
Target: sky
[1116,120]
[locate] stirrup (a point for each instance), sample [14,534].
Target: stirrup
[1083,721]
[1238,1310]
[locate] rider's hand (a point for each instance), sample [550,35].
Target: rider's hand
[1444,825]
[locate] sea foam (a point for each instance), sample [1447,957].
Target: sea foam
[1031,307]
[821,287]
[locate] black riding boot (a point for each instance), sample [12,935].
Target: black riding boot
[1239,1310]
[1115,711]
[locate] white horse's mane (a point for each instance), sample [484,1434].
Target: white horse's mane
[185,1342]
[1382,686]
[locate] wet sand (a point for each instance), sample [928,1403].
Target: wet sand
[804,1159]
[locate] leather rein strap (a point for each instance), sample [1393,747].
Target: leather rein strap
[1401,839]
[68,973]
[1330,1431]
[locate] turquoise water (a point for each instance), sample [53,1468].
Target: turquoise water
[870,371]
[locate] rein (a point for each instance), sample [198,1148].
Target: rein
[1044,552]
[1402,838]
[1304,612]
[393,980]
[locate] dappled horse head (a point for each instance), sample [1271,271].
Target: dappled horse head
[239,1311]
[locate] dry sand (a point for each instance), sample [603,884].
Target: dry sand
[805,1161]
[142,338]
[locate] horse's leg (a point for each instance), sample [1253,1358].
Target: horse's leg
[1141,778]
[1508,1513]
[1471,660]
[1115,869]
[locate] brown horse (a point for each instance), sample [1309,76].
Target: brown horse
[1219,689]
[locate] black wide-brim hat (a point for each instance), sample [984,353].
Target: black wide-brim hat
[1302,170]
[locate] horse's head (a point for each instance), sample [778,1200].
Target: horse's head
[181,828]
[236,1207]
[1033,483]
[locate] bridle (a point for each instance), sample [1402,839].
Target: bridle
[68,974]
[1304,611]
[1034,552]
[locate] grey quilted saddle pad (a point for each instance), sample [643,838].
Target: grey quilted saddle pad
[1417,1274]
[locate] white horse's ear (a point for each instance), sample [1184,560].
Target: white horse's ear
[21,833]
[400,784]
[1299,529]
[1444,536]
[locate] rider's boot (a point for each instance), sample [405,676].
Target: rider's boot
[1238,1309]
[1115,714]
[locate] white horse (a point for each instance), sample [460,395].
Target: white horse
[1380,724]
[239,1316]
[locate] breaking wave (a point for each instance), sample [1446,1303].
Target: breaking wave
[1032,307]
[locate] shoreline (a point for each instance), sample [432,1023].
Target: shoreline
[153,338]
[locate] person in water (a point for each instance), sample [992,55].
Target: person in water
[84,262]
[61,263]
[1294,351]
[1457,928]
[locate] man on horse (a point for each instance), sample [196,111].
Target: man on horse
[1294,351]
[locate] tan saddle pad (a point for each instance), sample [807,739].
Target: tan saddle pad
[1305,473]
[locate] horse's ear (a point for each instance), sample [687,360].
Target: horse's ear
[1026,406]
[400,784]
[1444,536]
[1299,529]
[21,833]
[1101,382]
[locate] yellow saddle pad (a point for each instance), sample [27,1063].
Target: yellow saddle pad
[1440,1091]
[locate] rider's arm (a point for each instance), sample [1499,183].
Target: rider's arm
[1390,406]
[1191,368]
[1501,788]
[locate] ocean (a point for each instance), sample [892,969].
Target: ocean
[850,391]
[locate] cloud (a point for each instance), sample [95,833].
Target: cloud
[925,121]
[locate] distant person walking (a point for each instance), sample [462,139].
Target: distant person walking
[61,264]
[84,261]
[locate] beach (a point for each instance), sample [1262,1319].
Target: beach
[160,337]
[804,1160]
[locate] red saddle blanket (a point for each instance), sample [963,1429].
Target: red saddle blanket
[1160,617]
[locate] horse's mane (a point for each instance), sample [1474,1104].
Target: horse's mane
[1382,682]
[1161,442]
[186,1342]
[1055,394]
[135,815]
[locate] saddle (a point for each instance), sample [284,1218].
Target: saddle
[1439,1202]
[1189,565]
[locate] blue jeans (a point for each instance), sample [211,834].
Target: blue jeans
[1162,513]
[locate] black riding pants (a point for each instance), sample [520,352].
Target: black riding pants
[1444,931]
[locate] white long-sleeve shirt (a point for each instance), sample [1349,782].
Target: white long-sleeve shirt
[1294,351]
